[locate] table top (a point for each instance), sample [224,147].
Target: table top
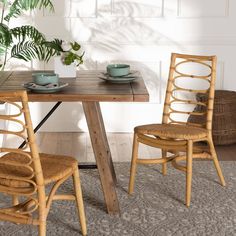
[85,87]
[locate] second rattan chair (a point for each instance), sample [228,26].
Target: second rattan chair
[24,173]
[175,135]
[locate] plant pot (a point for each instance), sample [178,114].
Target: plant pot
[66,71]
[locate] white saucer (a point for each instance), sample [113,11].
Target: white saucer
[130,75]
[118,80]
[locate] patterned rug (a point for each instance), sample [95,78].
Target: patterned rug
[156,208]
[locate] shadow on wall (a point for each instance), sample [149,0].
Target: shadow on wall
[119,33]
[110,33]
[68,113]
[124,37]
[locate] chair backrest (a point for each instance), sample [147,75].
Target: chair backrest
[20,168]
[190,77]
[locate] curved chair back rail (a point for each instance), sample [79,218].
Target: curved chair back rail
[173,88]
[24,172]
[189,75]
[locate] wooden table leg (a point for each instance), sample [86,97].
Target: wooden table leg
[102,154]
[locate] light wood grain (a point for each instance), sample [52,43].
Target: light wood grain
[86,87]
[178,136]
[26,173]
[83,151]
[91,90]
[4,76]
[102,154]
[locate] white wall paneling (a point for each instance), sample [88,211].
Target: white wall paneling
[138,8]
[83,8]
[220,75]
[54,27]
[203,8]
[74,8]
[142,33]
[2,124]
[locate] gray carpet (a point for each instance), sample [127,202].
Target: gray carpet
[156,208]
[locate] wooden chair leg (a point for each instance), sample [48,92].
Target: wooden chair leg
[164,165]
[79,201]
[216,162]
[189,172]
[133,163]
[42,229]
[15,200]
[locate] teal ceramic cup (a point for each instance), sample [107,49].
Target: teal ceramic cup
[118,69]
[45,78]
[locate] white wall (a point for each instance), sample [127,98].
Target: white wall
[142,33]
[2,124]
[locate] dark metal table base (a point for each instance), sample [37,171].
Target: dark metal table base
[85,166]
[80,166]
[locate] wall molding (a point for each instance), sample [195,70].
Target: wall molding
[212,40]
[67,14]
[161,15]
[225,11]
[220,73]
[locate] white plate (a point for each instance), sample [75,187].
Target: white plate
[130,75]
[44,89]
[118,80]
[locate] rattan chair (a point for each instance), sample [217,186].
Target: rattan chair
[24,173]
[178,139]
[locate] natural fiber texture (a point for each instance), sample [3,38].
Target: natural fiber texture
[172,131]
[176,135]
[54,167]
[156,208]
[24,172]
[224,116]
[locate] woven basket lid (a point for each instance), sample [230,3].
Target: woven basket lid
[221,96]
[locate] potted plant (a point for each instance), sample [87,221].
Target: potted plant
[26,42]
[68,58]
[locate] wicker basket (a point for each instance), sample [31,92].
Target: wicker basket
[224,116]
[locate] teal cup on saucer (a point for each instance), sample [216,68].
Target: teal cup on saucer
[117,70]
[45,78]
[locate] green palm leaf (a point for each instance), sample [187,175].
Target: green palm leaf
[19,6]
[55,44]
[51,48]
[2,50]
[31,50]
[24,50]
[5,35]
[29,32]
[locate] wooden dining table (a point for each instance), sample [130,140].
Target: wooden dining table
[89,89]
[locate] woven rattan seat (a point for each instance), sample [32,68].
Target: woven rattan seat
[178,138]
[24,172]
[54,168]
[172,131]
